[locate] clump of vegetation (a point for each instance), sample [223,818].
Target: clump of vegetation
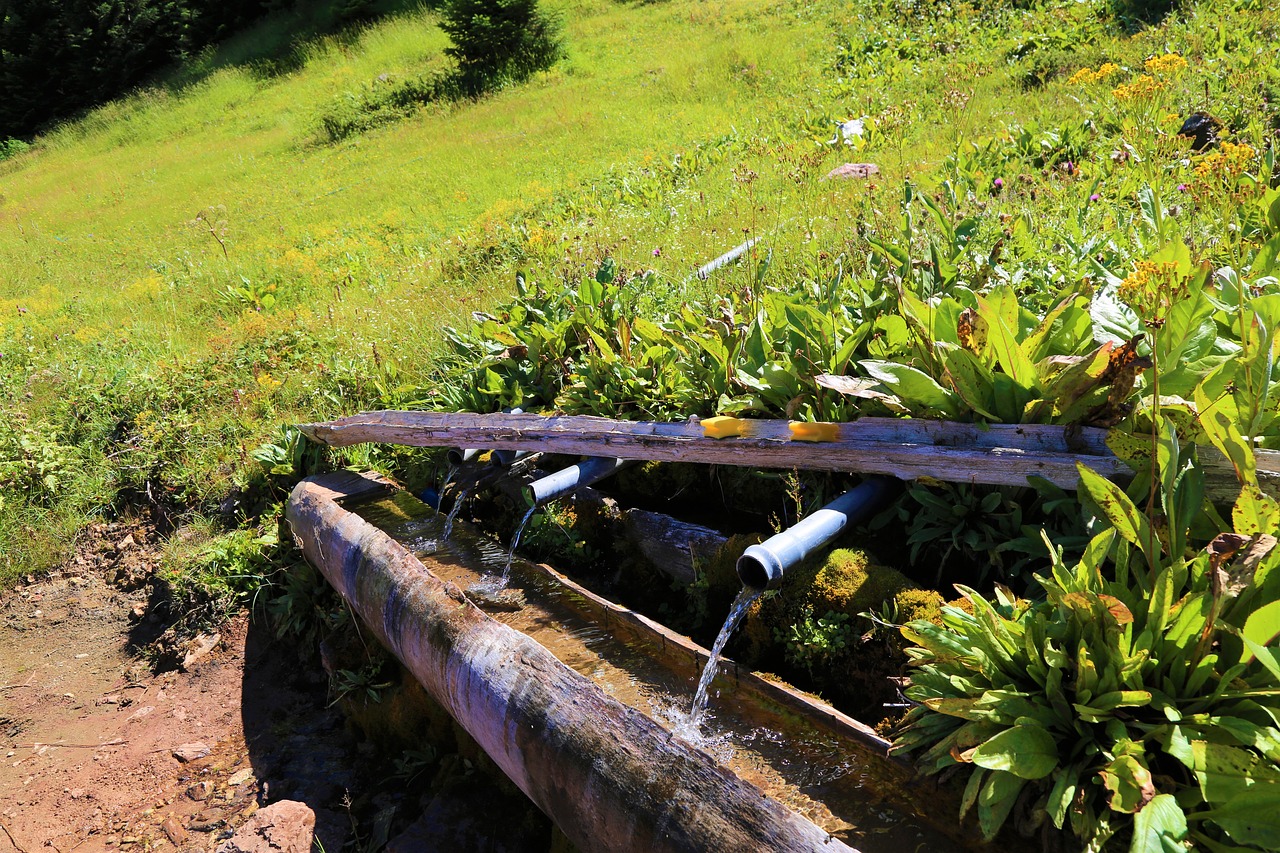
[499,41]
[1138,699]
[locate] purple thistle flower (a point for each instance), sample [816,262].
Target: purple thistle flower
[998,183]
[1182,188]
[1095,197]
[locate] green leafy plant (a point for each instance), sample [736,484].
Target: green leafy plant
[1143,707]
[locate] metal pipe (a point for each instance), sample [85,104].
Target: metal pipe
[568,480]
[762,566]
[458,456]
[505,458]
[727,258]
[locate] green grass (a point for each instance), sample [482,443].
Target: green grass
[193,265]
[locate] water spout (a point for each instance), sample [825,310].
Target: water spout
[568,480]
[762,566]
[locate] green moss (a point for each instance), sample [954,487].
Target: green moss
[914,604]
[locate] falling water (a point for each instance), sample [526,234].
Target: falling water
[453,513]
[444,486]
[746,597]
[515,542]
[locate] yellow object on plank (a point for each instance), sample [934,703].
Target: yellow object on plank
[803,431]
[722,427]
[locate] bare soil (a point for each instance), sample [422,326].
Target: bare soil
[99,752]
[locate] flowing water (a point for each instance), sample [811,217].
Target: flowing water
[746,597]
[515,543]
[831,779]
[453,513]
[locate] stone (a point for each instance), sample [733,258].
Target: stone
[853,170]
[125,544]
[174,831]
[284,827]
[1202,129]
[199,649]
[191,751]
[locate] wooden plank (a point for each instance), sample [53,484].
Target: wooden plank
[962,453]
[904,448]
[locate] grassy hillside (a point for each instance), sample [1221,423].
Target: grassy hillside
[188,268]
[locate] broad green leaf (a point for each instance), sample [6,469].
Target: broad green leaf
[1263,625]
[1131,524]
[1223,433]
[1250,817]
[996,800]
[1160,827]
[1000,309]
[1226,773]
[915,387]
[973,381]
[1129,782]
[1062,794]
[1028,752]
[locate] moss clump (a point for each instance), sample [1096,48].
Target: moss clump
[810,629]
[918,604]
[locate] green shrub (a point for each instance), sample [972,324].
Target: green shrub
[496,41]
[1144,707]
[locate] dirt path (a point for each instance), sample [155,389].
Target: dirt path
[99,753]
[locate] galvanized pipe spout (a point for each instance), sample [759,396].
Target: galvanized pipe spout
[568,480]
[762,566]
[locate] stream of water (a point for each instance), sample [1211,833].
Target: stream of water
[453,513]
[515,543]
[808,768]
[746,597]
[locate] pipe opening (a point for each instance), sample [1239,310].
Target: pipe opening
[753,573]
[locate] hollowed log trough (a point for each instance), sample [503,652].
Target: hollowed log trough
[610,777]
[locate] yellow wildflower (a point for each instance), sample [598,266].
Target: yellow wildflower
[1143,87]
[1229,161]
[1167,65]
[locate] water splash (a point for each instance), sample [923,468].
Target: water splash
[453,513]
[746,597]
[515,542]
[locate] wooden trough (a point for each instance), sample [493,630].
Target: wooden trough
[610,777]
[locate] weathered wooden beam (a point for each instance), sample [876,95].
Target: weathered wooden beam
[1001,454]
[962,453]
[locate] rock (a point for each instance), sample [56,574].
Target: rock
[240,776]
[191,751]
[125,544]
[174,831]
[199,649]
[144,711]
[284,827]
[1202,129]
[854,170]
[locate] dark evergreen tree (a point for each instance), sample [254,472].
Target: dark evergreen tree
[59,56]
[499,40]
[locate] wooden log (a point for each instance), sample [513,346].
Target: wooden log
[610,778]
[673,547]
[1001,454]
